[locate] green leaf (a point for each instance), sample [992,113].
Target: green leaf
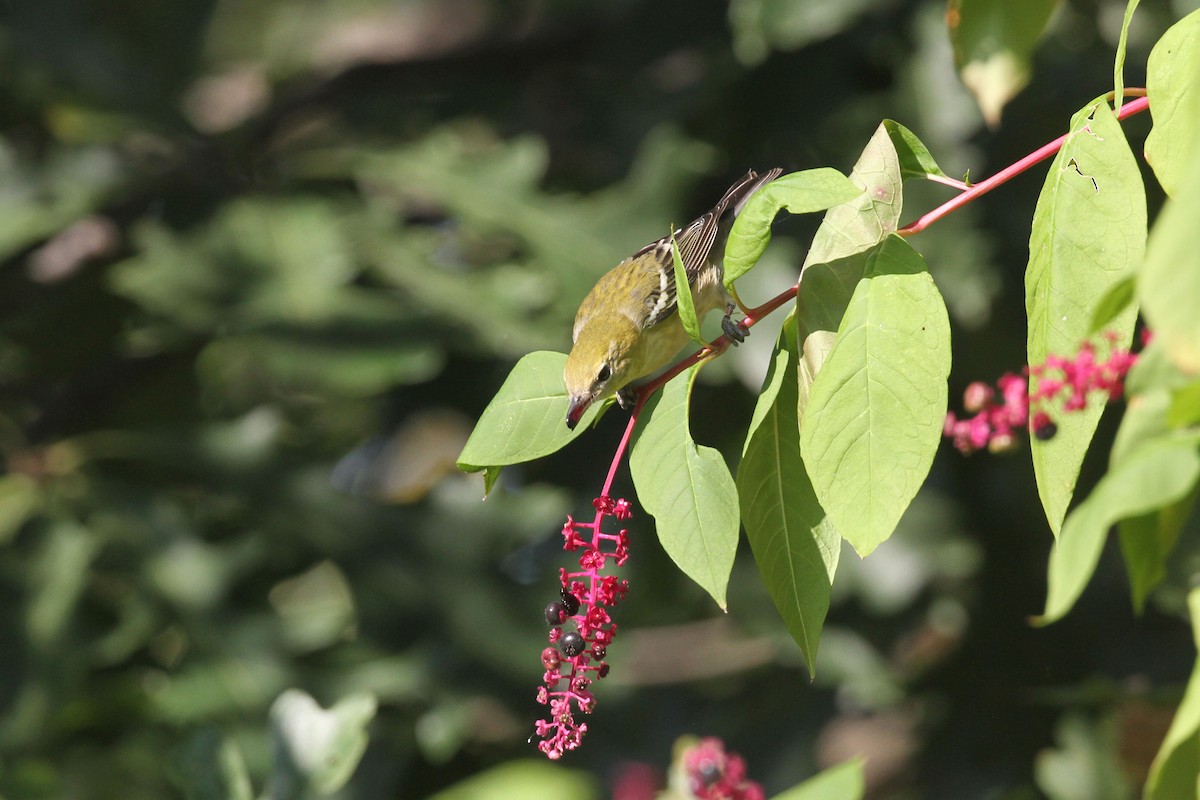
[762,25]
[317,360]
[858,225]
[794,543]
[993,44]
[1154,370]
[524,780]
[799,193]
[1174,771]
[1116,299]
[1185,406]
[844,781]
[825,292]
[1173,86]
[316,749]
[915,158]
[1169,282]
[684,304]
[1158,473]
[1119,61]
[1144,420]
[837,258]
[60,572]
[1085,764]
[687,489]
[773,382]
[19,500]
[876,410]
[1147,541]
[527,417]
[1088,234]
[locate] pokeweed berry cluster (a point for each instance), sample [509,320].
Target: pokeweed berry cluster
[581,628]
[1000,413]
[713,774]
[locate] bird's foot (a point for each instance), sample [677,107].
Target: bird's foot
[736,331]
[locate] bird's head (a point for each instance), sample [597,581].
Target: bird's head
[598,365]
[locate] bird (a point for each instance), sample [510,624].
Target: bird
[628,326]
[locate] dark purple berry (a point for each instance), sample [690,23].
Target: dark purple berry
[550,659]
[570,602]
[571,644]
[1045,432]
[555,612]
[709,772]
[599,651]
[603,671]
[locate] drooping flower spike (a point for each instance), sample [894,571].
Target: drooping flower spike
[581,627]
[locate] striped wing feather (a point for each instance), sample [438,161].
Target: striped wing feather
[695,244]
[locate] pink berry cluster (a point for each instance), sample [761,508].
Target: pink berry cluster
[581,627]
[713,774]
[1000,413]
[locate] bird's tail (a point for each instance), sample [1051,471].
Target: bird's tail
[737,195]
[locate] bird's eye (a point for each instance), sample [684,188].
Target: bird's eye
[605,374]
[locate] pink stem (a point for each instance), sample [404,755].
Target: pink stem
[1010,172]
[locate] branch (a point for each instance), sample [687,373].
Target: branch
[1010,172]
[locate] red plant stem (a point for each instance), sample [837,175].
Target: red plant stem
[1011,171]
[624,443]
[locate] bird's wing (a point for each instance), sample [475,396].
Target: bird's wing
[695,243]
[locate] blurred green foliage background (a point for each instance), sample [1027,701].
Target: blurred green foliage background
[264,261]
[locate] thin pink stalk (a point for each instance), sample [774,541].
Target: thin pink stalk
[1013,170]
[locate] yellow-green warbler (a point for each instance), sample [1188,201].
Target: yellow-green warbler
[627,326]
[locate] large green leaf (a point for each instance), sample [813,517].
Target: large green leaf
[842,782]
[1177,765]
[876,410]
[1158,473]
[794,543]
[687,489]
[838,255]
[799,193]
[1173,86]
[1169,282]
[527,417]
[1089,232]
[993,43]
[860,224]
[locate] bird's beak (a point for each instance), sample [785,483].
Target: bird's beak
[576,409]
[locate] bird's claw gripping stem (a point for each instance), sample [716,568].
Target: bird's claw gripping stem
[736,331]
